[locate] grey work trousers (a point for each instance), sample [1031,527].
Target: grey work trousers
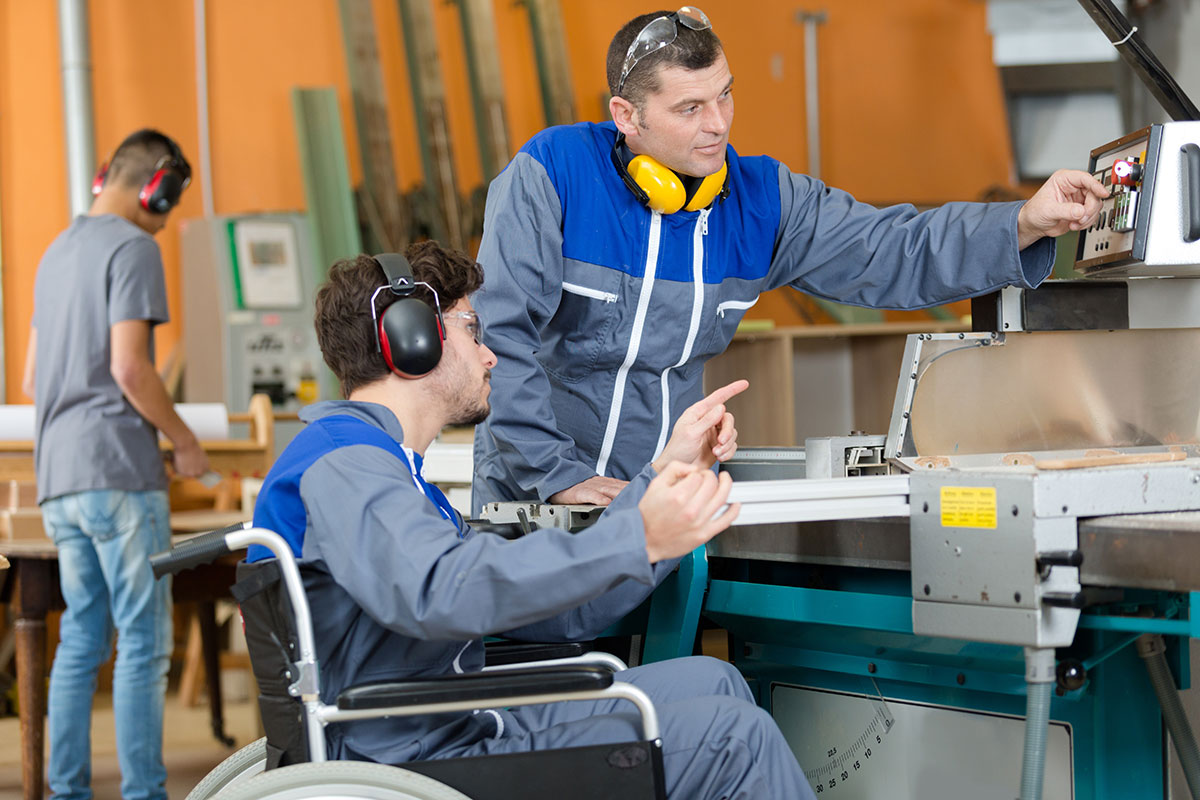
[717,744]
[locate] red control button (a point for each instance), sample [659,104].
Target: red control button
[1126,173]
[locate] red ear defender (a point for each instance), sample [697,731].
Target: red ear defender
[161,193]
[150,189]
[98,181]
[408,333]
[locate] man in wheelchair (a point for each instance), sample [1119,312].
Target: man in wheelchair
[400,587]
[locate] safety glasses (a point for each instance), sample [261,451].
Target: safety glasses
[658,33]
[472,323]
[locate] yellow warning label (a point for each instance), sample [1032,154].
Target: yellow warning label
[968,507]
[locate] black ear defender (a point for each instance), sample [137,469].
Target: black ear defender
[171,176]
[660,188]
[409,333]
[161,193]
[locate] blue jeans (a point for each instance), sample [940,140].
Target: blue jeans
[104,541]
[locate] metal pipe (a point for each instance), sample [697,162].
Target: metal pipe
[76,59]
[1039,681]
[812,100]
[618,689]
[205,154]
[1152,650]
[307,679]
[595,658]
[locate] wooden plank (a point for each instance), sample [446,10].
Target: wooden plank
[487,85]
[1109,460]
[553,61]
[429,110]
[388,220]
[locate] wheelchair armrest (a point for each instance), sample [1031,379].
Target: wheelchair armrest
[502,653]
[474,686]
[203,549]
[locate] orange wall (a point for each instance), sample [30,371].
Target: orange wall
[911,106]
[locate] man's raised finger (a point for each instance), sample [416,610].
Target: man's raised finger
[719,396]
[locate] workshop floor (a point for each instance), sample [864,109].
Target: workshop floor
[190,750]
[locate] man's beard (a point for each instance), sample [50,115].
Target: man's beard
[474,413]
[473,416]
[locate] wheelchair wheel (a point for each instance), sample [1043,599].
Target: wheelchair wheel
[242,765]
[343,780]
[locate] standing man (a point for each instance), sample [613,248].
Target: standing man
[621,256]
[101,485]
[406,588]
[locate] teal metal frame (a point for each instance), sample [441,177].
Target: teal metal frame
[859,638]
[675,610]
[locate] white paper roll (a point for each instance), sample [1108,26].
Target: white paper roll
[17,423]
[207,420]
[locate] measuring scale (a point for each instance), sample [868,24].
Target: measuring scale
[863,747]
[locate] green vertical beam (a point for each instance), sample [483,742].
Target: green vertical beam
[327,188]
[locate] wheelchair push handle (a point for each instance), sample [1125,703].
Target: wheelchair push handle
[202,549]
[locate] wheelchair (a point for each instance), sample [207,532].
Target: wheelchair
[290,762]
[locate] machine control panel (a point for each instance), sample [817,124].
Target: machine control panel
[1121,167]
[279,362]
[1149,226]
[248,304]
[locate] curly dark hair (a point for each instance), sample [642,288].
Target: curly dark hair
[343,311]
[690,50]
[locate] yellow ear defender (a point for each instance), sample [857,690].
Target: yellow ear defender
[661,188]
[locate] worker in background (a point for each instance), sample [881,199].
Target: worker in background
[621,256]
[101,484]
[406,588]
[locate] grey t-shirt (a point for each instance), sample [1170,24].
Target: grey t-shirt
[99,271]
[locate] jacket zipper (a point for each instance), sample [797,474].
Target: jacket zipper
[635,340]
[583,291]
[698,235]
[728,304]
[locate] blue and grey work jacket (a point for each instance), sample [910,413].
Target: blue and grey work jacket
[603,313]
[401,587]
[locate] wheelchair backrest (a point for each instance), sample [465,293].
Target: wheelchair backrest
[271,641]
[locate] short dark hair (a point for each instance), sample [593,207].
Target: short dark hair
[343,306]
[690,50]
[138,156]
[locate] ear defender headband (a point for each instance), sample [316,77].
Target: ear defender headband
[408,333]
[662,189]
[161,193]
